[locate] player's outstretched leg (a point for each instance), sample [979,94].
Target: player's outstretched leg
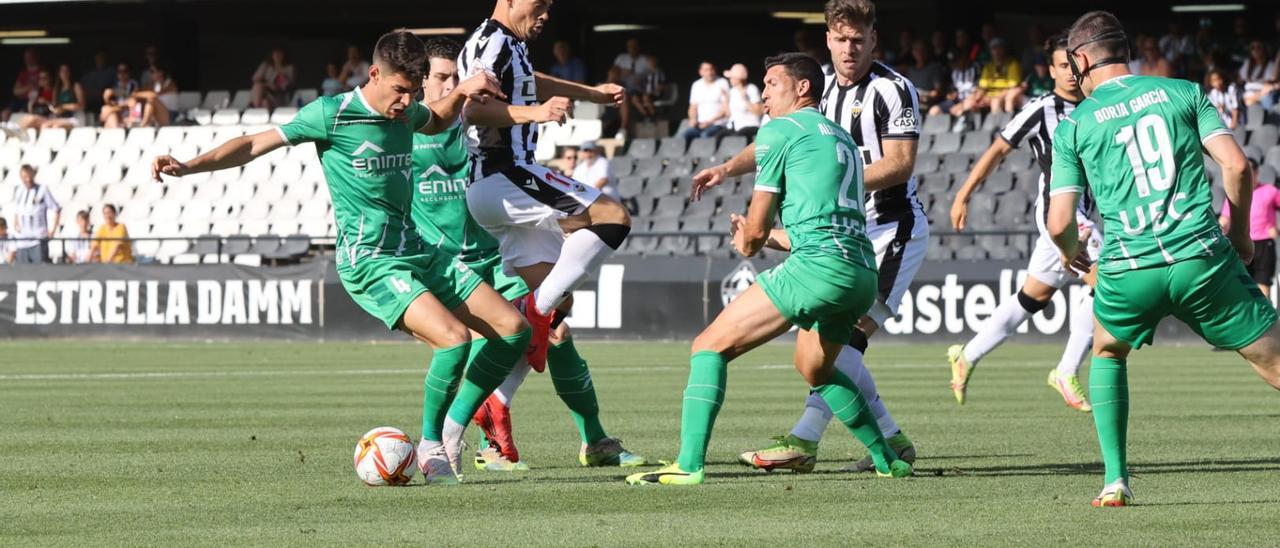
[1032,298]
[1064,378]
[1109,387]
[1264,355]
[572,381]
[748,321]
[498,451]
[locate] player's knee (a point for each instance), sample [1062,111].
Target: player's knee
[607,210]
[814,374]
[453,335]
[612,234]
[708,341]
[1030,303]
[509,324]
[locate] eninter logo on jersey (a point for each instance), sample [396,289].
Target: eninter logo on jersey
[435,185]
[382,163]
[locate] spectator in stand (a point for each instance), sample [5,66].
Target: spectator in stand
[41,103]
[115,100]
[964,95]
[1001,78]
[273,81]
[355,72]
[964,47]
[1150,62]
[928,75]
[1241,40]
[655,85]
[568,161]
[1225,97]
[331,85]
[902,56]
[23,85]
[708,104]
[567,66]
[68,101]
[630,67]
[1177,47]
[97,81]
[151,61]
[593,169]
[1262,230]
[986,34]
[31,225]
[1259,75]
[1038,82]
[745,106]
[938,48]
[154,106]
[1034,52]
[80,250]
[7,253]
[111,242]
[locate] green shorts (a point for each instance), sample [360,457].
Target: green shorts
[386,286]
[825,294]
[1214,296]
[490,270]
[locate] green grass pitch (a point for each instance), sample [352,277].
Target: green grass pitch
[250,444]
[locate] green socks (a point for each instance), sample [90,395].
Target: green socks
[440,386]
[1109,390]
[702,398]
[572,380]
[493,362]
[851,409]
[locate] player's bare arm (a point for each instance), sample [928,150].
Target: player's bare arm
[478,89]
[1237,181]
[981,170]
[233,153]
[499,114]
[753,233]
[741,164]
[778,238]
[895,167]
[1066,233]
[604,94]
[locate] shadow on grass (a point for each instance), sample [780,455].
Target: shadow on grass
[1211,466]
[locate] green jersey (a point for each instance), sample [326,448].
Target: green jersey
[368,165]
[814,167]
[1137,143]
[443,169]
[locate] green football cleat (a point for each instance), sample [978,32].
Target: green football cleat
[900,444]
[960,372]
[1068,386]
[786,453]
[1115,494]
[897,469]
[491,460]
[609,452]
[670,474]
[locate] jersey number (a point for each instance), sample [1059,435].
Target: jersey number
[850,194]
[1152,146]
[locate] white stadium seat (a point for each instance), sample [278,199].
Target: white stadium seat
[315,209]
[37,156]
[226,227]
[89,194]
[209,190]
[188,100]
[225,134]
[584,130]
[256,211]
[241,100]
[255,228]
[300,190]
[224,210]
[166,212]
[227,176]
[226,117]
[215,100]
[148,194]
[314,229]
[257,171]
[81,138]
[110,138]
[284,210]
[181,190]
[78,174]
[283,115]
[274,157]
[313,174]
[98,155]
[303,96]
[127,155]
[196,211]
[185,151]
[287,172]
[255,116]
[200,116]
[68,157]
[239,192]
[198,136]
[118,194]
[170,136]
[285,228]
[140,137]
[52,138]
[107,173]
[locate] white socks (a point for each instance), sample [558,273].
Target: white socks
[1004,322]
[507,391]
[583,253]
[1080,342]
[817,414]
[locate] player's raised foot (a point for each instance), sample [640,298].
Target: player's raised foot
[609,452]
[494,419]
[541,326]
[900,444]
[491,459]
[960,372]
[1069,387]
[1115,494]
[434,464]
[670,474]
[785,453]
[897,469]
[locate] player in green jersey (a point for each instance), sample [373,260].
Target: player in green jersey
[364,139]
[1137,142]
[443,169]
[809,173]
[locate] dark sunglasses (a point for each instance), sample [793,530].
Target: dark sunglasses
[1078,74]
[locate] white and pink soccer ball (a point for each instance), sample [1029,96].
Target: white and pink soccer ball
[385,456]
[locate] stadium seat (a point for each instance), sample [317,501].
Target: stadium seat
[1255,117]
[702,147]
[299,190]
[1264,137]
[81,138]
[302,96]
[110,139]
[216,99]
[226,227]
[630,186]
[621,166]
[649,167]
[226,117]
[678,167]
[254,228]
[1273,157]
[976,143]
[265,244]
[314,210]
[240,101]
[248,259]
[199,136]
[188,100]
[669,207]
[256,210]
[52,138]
[642,148]
[255,116]
[283,115]
[314,229]
[955,162]
[946,143]
[37,156]
[292,247]
[995,122]
[200,116]
[1267,175]
[585,130]
[731,146]
[672,148]
[937,124]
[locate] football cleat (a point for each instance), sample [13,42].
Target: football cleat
[670,474]
[897,469]
[434,464]
[960,372]
[786,453]
[492,460]
[1115,494]
[494,419]
[541,326]
[609,452]
[900,444]
[1069,387]
[453,448]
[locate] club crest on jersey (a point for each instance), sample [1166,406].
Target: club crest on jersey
[856,108]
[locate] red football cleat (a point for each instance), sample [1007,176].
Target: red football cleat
[541,325]
[494,419]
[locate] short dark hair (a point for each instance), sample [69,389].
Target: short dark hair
[4,223]
[112,207]
[1053,44]
[850,12]
[1099,23]
[442,48]
[800,66]
[27,167]
[401,52]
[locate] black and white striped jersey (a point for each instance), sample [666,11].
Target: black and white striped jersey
[882,106]
[1034,125]
[493,48]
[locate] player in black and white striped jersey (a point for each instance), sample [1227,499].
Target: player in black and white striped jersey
[527,207]
[1034,126]
[880,109]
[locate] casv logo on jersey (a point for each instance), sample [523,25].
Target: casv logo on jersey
[382,163]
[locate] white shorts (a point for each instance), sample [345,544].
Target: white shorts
[1045,264]
[900,250]
[521,206]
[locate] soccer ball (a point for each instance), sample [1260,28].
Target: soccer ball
[385,456]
